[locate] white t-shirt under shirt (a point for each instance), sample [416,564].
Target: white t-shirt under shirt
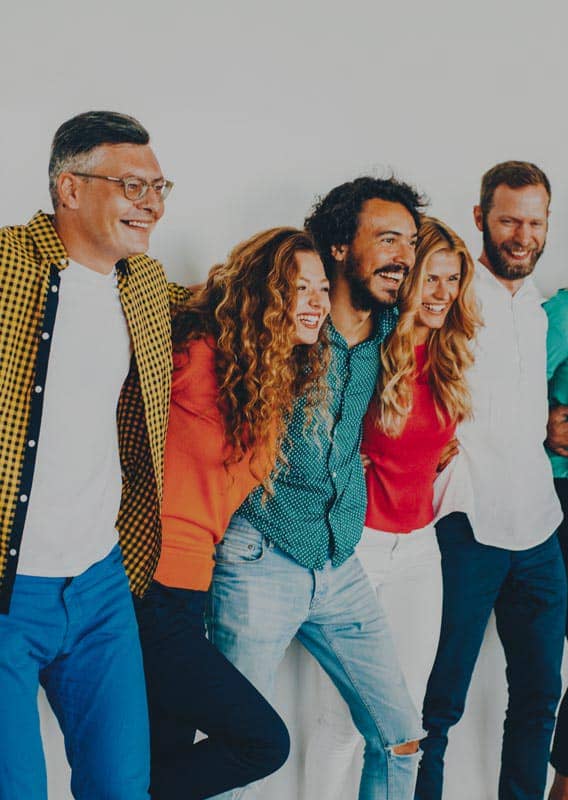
[514,502]
[75,496]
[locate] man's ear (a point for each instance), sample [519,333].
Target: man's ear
[478,217]
[339,251]
[68,190]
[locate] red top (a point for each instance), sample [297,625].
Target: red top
[200,494]
[401,475]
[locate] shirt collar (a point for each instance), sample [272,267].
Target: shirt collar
[488,279]
[387,317]
[50,247]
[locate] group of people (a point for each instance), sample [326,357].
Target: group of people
[338,437]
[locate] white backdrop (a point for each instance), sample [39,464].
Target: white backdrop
[256,107]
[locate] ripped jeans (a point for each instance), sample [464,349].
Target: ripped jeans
[261,598]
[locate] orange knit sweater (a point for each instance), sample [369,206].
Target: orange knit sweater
[200,493]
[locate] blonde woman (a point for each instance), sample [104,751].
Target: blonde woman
[422,395]
[409,427]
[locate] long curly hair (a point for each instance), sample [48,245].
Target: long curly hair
[448,348]
[247,306]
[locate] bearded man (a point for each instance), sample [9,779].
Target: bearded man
[504,554]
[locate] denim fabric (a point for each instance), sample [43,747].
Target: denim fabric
[527,589]
[78,638]
[191,685]
[559,755]
[261,598]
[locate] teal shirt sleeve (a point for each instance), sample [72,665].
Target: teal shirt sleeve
[557,364]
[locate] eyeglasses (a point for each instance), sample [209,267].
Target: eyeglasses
[135,188]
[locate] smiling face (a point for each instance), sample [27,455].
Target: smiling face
[312,297]
[100,223]
[380,255]
[514,231]
[440,289]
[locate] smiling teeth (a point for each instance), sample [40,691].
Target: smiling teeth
[395,276]
[137,224]
[311,320]
[435,309]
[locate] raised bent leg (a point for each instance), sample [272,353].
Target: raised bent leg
[192,685]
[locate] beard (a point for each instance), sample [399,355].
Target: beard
[362,297]
[498,256]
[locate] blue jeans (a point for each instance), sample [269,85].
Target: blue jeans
[527,589]
[78,638]
[192,685]
[261,598]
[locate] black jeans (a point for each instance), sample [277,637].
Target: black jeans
[527,589]
[559,755]
[191,685]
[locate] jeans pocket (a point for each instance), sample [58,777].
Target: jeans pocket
[241,544]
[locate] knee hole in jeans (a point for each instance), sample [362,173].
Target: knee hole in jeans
[406,749]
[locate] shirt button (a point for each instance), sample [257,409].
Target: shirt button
[54,288]
[23,498]
[334,474]
[45,335]
[62,261]
[38,389]
[13,552]
[31,443]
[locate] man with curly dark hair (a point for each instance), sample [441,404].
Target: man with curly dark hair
[292,570]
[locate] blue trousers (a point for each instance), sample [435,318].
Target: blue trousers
[78,638]
[559,755]
[191,685]
[261,598]
[527,589]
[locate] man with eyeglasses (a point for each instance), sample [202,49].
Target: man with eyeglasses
[84,391]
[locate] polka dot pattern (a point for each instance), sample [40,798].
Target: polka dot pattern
[318,508]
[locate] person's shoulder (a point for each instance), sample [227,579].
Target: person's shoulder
[558,301]
[144,263]
[14,235]
[556,309]
[16,246]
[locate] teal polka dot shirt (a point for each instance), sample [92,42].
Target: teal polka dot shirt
[318,508]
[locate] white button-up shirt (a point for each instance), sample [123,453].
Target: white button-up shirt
[514,501]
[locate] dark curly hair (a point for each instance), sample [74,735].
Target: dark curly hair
[334,218]
[246,306]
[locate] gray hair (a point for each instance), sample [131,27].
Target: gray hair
[75,140]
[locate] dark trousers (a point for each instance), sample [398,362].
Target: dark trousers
[559,756]
[527,589]
[190,686]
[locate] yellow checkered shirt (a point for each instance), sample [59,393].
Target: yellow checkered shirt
[31,258]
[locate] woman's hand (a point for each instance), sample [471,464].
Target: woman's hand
[450,451]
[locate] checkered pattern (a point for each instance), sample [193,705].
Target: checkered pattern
[31,257]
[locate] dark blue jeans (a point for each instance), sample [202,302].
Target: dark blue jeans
[559,755]
[190,686]
[527,589]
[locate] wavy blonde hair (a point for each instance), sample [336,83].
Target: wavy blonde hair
[448,348]
[247,306]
